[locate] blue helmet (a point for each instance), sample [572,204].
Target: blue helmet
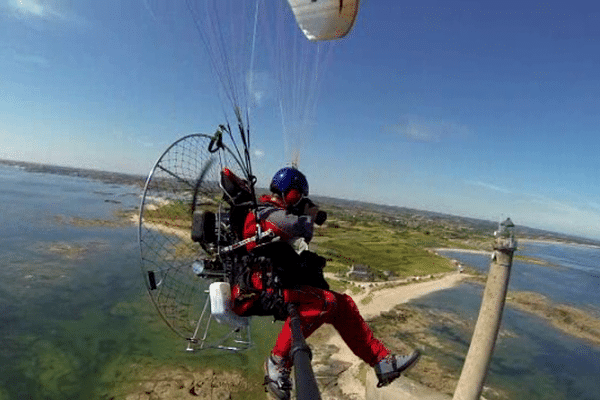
[285,180]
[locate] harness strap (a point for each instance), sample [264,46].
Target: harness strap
[237,245]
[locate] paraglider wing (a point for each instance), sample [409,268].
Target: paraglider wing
[324,19]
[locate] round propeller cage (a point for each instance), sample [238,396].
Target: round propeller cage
[179,271]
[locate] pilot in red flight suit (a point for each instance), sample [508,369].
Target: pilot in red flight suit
[290,215]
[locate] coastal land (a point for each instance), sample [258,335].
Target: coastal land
[396,249]
[377,243]
[116,178]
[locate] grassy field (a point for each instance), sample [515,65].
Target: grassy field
[379,247]
[396,244]
[388,248]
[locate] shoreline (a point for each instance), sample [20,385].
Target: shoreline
[376,287]
[565,242]
[469,251]
[387,298]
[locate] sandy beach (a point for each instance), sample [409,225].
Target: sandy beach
[471,251]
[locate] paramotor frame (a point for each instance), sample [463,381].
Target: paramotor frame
[179,271]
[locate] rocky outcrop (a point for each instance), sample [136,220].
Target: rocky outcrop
[181,383]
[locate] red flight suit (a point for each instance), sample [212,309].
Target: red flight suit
[315,306]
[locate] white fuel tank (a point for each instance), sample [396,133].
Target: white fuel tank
[220,306]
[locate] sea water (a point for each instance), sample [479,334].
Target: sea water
[58,281]
[74,314]
[532,359]
[569,273]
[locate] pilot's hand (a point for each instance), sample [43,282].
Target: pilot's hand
[311,210]
[316,215]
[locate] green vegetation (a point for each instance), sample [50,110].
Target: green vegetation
[424,230]
[382,248]
[175,214]
[342,284]
[396,245]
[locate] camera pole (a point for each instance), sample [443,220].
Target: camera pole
[306,383]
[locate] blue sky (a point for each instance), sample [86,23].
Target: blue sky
[481,110]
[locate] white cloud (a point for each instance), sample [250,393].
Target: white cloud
[31,59]
[594,205]
[29,7]
[567,216]
[554,206]
[488,186]
[259,153]
[419,129]
[40,10]
[260,86]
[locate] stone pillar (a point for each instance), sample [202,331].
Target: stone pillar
[475,368]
